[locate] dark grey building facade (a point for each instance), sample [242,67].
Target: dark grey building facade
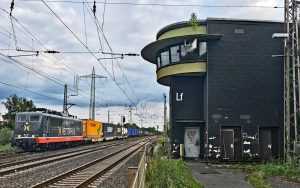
[226,90]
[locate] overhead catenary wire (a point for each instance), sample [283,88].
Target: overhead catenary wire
[103,15]
[82,96]
[83,8]
[40,43]
[99,38]
[54,80]
[88,50]
[113,54]
[51,51]
[25,89]
[32,36]
[164,5]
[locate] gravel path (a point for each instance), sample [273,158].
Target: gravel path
[39,174]
[211,177]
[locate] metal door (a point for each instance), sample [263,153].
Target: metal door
[227,143]
[192,142]
[265,143]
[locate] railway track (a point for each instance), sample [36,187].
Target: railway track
[21,165]
[88,174]
[4,155]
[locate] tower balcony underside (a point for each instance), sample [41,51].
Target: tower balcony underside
[164,74]
[149,52]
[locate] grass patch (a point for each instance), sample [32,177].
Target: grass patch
[161,139]
[258,173]
[7,148]
[163,172]
[257,179]
[6,136]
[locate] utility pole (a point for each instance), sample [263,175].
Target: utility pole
[130,114]
[165,112]
[291,78]
[93,77]
[65,106]
[108,116]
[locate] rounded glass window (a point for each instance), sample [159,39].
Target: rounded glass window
[165,59]
[158,61]
[175,57]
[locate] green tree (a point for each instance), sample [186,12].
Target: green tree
[16,104]
[133,125]
[193,22]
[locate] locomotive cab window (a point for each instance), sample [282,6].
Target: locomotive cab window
[34,118]
[21,118]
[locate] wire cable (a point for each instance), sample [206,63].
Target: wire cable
[104,7]
[35,70]
[165,5]
[84,22]
[88,50]
[112,53]
[25,89]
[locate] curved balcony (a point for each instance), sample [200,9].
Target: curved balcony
[164,74]
[179,50]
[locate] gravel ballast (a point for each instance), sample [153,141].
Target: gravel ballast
[31,177]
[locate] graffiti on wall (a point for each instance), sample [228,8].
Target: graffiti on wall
[191,135]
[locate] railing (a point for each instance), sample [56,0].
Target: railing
[137,175]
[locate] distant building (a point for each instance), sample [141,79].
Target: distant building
[226,91]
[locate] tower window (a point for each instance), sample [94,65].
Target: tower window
[158,61]
[165,58]
[175,54]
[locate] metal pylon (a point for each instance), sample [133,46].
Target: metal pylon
[291,77]
[93,77]
[65,106]
[165,112]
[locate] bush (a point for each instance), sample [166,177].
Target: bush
[257,179]
[164,172]
[258,173]
[6,135]
[161,140]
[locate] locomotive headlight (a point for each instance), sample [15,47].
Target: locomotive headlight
[32,136]
[19,136]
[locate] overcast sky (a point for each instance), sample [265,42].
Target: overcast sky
[128,28]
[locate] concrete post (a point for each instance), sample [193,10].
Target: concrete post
[181,146]
[131,175]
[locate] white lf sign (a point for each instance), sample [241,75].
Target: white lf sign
[179,96]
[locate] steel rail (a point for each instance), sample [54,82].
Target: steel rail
[46,160]
[9,163]
[63,176]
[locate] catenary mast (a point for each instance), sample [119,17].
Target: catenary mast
[291,77]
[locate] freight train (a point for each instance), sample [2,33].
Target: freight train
[46,129]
